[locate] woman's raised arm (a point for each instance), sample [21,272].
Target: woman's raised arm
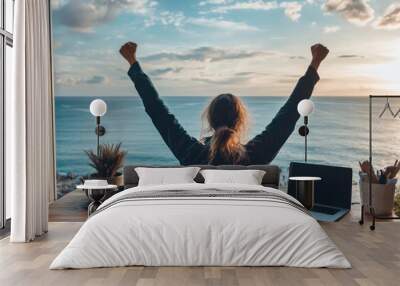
[182,145]
[263,148]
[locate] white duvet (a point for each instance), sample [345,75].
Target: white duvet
[200,231]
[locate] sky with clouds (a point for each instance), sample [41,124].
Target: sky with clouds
[246,47]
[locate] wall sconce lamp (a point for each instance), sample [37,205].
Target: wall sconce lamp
[98,108]
[305,108]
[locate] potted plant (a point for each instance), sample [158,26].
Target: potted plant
[108,163]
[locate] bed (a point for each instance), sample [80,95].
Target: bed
[197,224]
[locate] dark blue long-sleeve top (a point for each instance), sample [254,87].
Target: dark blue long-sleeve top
[262,149]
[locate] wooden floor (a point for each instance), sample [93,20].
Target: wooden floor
[71,207]
[375,257]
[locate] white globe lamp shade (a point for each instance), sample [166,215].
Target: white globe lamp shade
[98,107]
[305,107]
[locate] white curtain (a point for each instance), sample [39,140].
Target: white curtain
[30,123]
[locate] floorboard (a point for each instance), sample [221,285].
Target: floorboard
[71,207]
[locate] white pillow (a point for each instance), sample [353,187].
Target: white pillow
[248,177]
[166,176]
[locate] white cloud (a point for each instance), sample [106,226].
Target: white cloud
[206,54]
[331,29]
[163,71]
[55,4]
[213,2]
[292,9]
[83,15]
[178,19]
[69,80]
[390,19]
[358,12]
[172,18]
[249,5]
[66,80]
[221,24]
[222,80]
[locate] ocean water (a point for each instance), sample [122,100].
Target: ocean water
[338,130]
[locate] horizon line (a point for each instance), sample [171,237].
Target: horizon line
[314,96]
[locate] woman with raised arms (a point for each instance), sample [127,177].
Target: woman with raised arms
[226,117]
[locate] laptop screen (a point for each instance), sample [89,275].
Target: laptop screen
[333,190]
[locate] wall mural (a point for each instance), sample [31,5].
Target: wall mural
[196,50]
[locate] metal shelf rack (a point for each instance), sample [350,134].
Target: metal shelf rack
[371,208]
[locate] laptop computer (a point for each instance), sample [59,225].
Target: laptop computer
[332,194]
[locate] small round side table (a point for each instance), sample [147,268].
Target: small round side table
[305,190]
[96,195]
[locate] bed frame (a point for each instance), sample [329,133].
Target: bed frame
[270,179]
